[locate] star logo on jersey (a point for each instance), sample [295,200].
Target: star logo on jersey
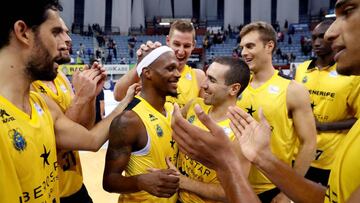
[313,105]
[159,130]
[18,139]
[42,89]
[152,117]
[305,79]
[250,110]
[45,156]
[5,117]
[191,119]
[172,142]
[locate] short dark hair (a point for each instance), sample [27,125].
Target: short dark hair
[32,12]
[182,26]
[266,31]
[238,72]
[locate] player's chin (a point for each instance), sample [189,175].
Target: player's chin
[347,69]
[173,93]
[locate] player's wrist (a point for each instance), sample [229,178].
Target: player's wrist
[140,182]
[228,162]
[263,158]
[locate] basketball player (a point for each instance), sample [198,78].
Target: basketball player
[227,77]
[286,105]
[140,138]
[181,39]
[79,107]
[344,180]
[334,102]
[31,41]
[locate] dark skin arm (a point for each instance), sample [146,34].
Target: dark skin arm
[128,134]
[337,125]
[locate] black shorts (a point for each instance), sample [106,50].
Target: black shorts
[81,196]
[267,196]
[318,175]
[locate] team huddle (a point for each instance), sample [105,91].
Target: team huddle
[241,132]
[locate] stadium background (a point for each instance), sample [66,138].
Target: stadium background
[100,26]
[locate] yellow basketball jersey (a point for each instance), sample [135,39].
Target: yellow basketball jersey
[194,169]
[28,165]
[271,97]
[63,96]
[160,145]
[188,87]
[345,174]
[70,172]
[334,97]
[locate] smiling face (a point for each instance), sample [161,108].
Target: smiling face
[183,44]
[344,34]
[48,42]
[164,74]
[254,52]
[215,89]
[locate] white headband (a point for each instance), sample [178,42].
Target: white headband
[151,57]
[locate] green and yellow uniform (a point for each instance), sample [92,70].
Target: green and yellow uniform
[193,169]
[345,173]
[334,98]
[160,145]
[70,172]
[28,164]
[271,97]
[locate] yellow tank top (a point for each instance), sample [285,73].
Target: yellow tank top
[28,165]
[271,97]
[188,87]
[334,97]
[345,174]
[194,169]
[160,145]
[70,172]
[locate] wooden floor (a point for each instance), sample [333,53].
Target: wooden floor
[93,168]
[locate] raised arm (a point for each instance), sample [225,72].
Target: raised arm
[124,83]
[131,77]
[200,77]
[214,150]
[127,134]
[254,139]
[72,136]
[87,85]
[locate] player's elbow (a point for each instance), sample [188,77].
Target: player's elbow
[117,95]
[107,184]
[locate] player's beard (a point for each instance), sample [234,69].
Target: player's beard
[41,65]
